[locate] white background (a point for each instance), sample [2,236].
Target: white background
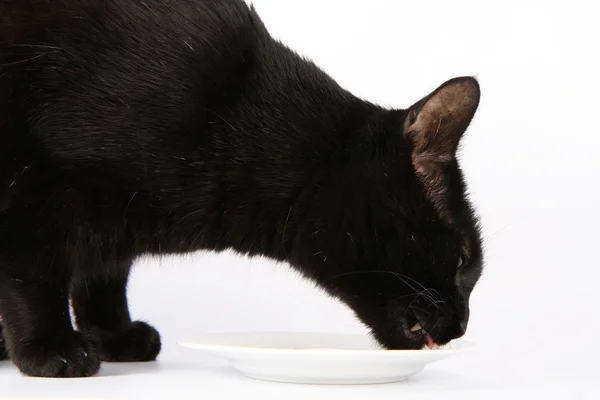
[531,162]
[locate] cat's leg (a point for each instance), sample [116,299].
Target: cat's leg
[100,306]
[37,259]
[37,325]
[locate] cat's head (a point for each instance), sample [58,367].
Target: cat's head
[418,253]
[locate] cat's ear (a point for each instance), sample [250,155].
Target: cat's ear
[437,122]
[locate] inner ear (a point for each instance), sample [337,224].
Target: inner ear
[437,122]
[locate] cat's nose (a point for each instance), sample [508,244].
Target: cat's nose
[458,326]
[457,329]
[448,330]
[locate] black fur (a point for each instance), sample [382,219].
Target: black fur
[3,350]
[163,127]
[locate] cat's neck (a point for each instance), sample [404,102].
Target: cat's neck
[281,143]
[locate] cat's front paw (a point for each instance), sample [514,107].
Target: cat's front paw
[65,355]
[138,342]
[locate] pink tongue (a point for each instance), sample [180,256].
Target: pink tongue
[429,342]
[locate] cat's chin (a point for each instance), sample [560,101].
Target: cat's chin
[422,340]
[402,343]
[403,340]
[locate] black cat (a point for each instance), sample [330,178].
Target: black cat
[130,127]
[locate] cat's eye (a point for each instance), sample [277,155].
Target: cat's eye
[460,261]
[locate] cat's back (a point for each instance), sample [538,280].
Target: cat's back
[78,29]
[56,20]
[80,68]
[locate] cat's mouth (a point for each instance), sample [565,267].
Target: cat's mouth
[417,333]
[417,330]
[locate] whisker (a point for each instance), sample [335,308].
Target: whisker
[436,304]
[24,61]
[284,228]
[418,283]
[429,298]
[40,46]
[491,235]
[426,292]
[411,308]
[407,295]
[420,309]
[433,328]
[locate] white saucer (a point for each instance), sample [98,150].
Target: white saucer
[317,358]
